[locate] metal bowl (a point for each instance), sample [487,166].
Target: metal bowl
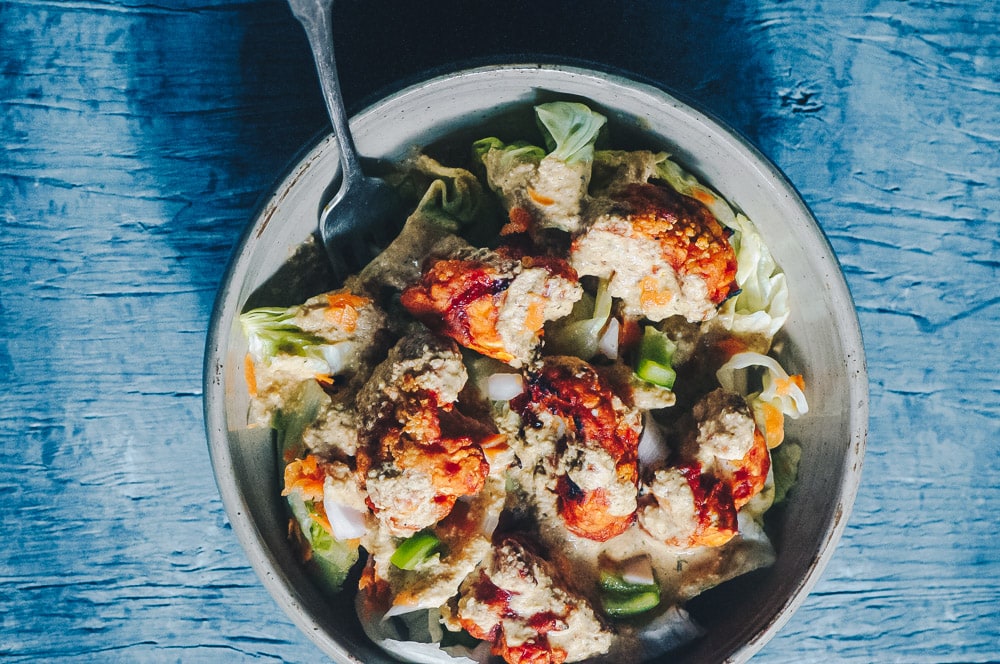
[822,338]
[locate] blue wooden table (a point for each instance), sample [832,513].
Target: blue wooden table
[137,137]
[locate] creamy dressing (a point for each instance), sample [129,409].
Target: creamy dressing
[638,272]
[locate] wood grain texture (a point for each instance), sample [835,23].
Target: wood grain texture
[137,138]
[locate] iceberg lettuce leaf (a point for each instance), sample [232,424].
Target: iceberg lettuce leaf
[761,306]
[785,464]
[453,197]
[570,130]
[614,169]
[328,558]
[294,417]
[414,637]
[511,153]
[272,330]
[778,388]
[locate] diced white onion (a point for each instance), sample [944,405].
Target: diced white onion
[337,356]
[652,446]
[490,522]
[504,386]
[638,570]
[347,522]
[402,609]
[608,343]
[793,403]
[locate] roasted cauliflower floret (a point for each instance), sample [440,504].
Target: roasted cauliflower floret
[518,603]
[728,444]
[540,195]
[594,441]
[465,542]
[664,253]
[684,507]
[491,303]
[723,462]
[416,454]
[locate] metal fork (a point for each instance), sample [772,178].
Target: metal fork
[354,223]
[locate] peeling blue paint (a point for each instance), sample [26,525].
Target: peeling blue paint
[137,137]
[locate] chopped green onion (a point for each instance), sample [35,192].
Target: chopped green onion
[629,588]
[619,605]
[614,583]
[415,550]
[656,373]
[570,130]
[656,351]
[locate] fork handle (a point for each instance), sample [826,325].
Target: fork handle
[316,17]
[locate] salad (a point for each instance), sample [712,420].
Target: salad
[543,418]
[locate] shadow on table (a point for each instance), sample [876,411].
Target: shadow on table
[705,55]
[223,98]
[230,95]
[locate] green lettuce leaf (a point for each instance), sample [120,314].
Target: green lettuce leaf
[331,560]
[570,130]
[452,198]
[294,417]
[777,387]
[761,306]
[614,169]
[512,153]
[785,464]
[271,330]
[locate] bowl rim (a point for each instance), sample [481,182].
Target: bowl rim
[236,506]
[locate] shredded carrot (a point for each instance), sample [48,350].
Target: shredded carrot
[306,476]
[326,380]
[774,425]
[730,346]
[494,446]
[712,536]
[406,598]
[541,199]
[534,320]
[250,375]
[318,514]
[704,197]
[520,222]
[483,314]
[343,298]
[651,296]
[783,386]
[342,309]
